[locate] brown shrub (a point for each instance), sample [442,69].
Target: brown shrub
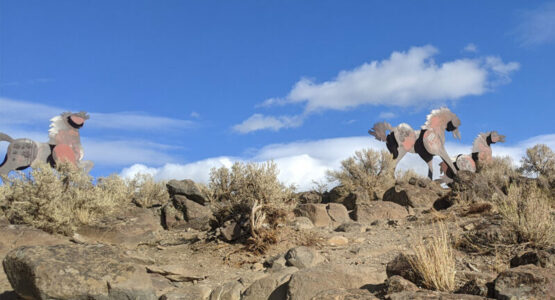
[528,213]
[539,161]
[368,169]
[435,262]
[61,200]
[146,192]
[251,192]
[499,172]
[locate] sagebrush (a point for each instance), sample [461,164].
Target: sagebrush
[369,170]
[62,199]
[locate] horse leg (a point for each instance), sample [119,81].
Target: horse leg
[443,154]
[430,169]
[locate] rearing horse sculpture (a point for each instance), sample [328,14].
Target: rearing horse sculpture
[427,142]
[64,146]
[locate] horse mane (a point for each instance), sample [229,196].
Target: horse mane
[480,140]
[444,113]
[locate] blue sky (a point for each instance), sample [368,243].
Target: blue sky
[177,87]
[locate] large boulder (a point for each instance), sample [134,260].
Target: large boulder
[197,216]
[317,213]
[338,213]
[431,295]
[397,284]
[414,193]
[526,282]
[130,228]
[227,291]
[335,195]
[271,287]
[76,272]
[369,212]
[401,266]
[309,197]
[345,294]
[188,188]
[303,257]
[307,283]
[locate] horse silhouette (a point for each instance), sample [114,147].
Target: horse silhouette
[64,145]
[427,142]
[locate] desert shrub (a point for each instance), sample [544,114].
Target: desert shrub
[250,193]
[368,169]
[528,213]
[539,161]
[434,261]
[61,200]
[499,172]
[146,192]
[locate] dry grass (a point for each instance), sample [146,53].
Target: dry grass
[368,169]
[251,193]
[528,212]
[499,172]
[435,262]
[63,199]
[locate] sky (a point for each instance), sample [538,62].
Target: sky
[175,88]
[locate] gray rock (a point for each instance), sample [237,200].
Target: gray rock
[231,231]
[228,291]
[187,188]
[406,194]
[351,227]
[401,266]
[193,292]
[525,282]
[172,218]
[317,213]
[307,283]
[431,295]
[345,294]
[397,284]
[303,257]
[301,223]
[338,212]
[197,216]
[309,197]
[271,287]
[539,258]
[276,263]
[76,272]
[378,210]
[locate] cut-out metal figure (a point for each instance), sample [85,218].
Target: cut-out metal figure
[64,146]
[481,155]
[427,142]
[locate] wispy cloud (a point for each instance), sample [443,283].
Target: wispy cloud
[301,163]
[387,115]
[471,48]
[261,122]
[537,26]
[405,79]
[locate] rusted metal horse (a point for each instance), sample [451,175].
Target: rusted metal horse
[427,142]
[481,155]
[64,146]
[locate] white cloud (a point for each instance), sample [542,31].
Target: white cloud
[409,78]
[387,115]
[125,152]
[537,26]
[260,122]
[471,48]
[301,163]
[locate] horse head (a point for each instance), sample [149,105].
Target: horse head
[495,137]
[443,119]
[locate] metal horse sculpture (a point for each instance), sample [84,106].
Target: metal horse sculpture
[64,146]
[481,155]
[427,142]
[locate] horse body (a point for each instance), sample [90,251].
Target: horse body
[427,142]
[481,155]
[64,146]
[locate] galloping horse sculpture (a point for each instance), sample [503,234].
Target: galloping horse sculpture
[427,142]
[481,155]
[64,146]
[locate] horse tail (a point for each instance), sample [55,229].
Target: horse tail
[379,131]
[5,137]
